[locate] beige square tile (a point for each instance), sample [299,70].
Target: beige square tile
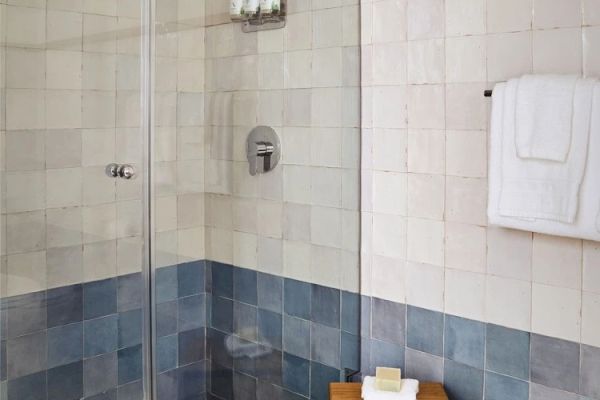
[64,266]
[390,191]
[25,191]
[465,17]
[556,312]
[63,227]
[590,319]
[327,28]
[65,30]
[466,59]
[25,232]
[557,261]
[426,61]
[63,70]
[508,303]
[389,63]
[425,241]
[425,19]
[391,17]
[509,55]
[509,15]
[426,106]
[25,68]
[591,60]
[509,253]
[426,196]
[390,107]
[388,279]
[25,150]
[26,273]
[426,151]
[557,51]
[425,286]
[465,247]
[466,200]
[390,150]
[461,143]
[389,235]
[591,266]
[25,27]
[591,12]
[464,294]
[556,14]
[99,260]
[464,108]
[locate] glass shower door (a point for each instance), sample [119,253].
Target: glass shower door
[72,256]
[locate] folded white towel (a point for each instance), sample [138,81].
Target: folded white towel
[544,116]
[408,391]
[541,189]
[585,223]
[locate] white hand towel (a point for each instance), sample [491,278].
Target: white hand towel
[540,189]
[584,225]
[408,391]
[544,116]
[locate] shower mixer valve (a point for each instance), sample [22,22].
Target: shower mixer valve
[262,150]
[124,171]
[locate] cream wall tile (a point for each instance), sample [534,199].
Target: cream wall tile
[327,28]
[389,63]
[25,191]
[389,235]
[25,109]
[591,266]
[298,35]
[460,143]
[25,68]
[466,200]
[63,109]
[63,70]
[509,253]
[509,55]
[466,59]
[465,17]
[63,227]
[390,193]
[390,150]
[326,187]
[25,150]
[556,14]
[557,51]
[26,273]
[465,294]
[590,319]
[464,108]
[591,59]
[426,61]
[388,279]
[390,17]
[425,286]
[426,196]
[25,232]
[591,12]
[63,148]
[245,250]
[325,266]
[465,247]
[64,266]
[25,27]
[425,241]
[64,30]
[425,19]
[295,254]
[509,15]
[63,187]
[557,261]
[426,151]
[426,106]
[99,260]
[556,312]
[508,302]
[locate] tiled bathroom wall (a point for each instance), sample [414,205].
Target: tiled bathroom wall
[301,220]
[425,237]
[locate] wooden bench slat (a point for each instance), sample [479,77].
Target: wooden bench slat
[351,391]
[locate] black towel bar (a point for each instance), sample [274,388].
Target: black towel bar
[487,93]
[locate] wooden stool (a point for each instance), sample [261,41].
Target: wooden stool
[351,391]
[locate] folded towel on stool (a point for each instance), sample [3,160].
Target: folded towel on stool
[408,391]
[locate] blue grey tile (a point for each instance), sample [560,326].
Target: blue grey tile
[389,321]
[99,374]
[130,367]
[462,382]
[25,314]
[222,280]
[296,374]
[325,345]
[424,367]
[244,387]
[66,382]
[590,371]
[110,394]
[2,360]
[350,357]
[99,298]
[65,344]
[320,377]
[129,292]
[385,354]
[166,318]
[270,328]
[130,328]
[131,391]
[221,381]
[425,330]
[464,341]
[166,385]
[218,352]
[507,351]
[539,392]
[245,286]
[26,354]
[222,314]
[267,391]
[365,316]
[297,296]
[192,312]
[191,278]
[245,323]
[500,387]
[100,335]
[296,336]
[166,353]
[65,305]
[270,292]
[247,365]
[269,367]
[191,346]
[30,387]
[555,363]
[166,284]
[191,381]
[325,306]
[351,312]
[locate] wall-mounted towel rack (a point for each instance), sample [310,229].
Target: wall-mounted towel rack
[488,93]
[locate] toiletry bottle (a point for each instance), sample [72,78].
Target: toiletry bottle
[266,7]
[251,7]
[235,9]
[276,7]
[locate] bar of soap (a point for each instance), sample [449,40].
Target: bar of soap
[388,379]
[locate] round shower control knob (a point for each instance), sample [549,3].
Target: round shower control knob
[126,171]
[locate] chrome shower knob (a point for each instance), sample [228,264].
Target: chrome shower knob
[126,171]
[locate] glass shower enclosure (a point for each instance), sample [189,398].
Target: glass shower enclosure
[140,258]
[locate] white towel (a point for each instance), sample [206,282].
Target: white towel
[408,390]
[585,224]
[540,189]
[544,116]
